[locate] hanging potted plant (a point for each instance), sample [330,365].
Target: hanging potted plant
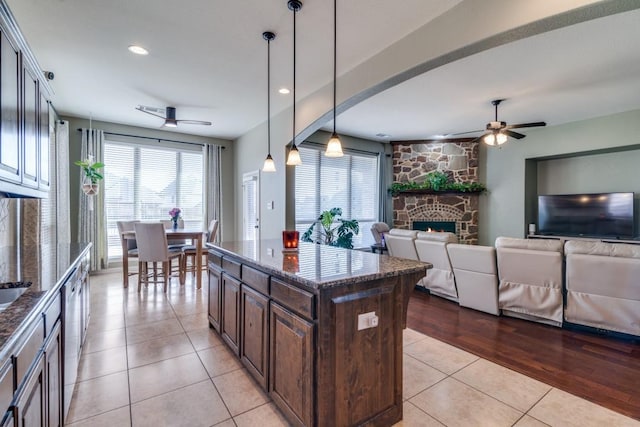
[91,175]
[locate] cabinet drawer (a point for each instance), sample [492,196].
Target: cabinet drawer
[52,313]
[231,267]
[296,299]
[6,386]
[215,258]
[256,279]
[27,354]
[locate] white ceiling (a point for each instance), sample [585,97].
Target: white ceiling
[208,59]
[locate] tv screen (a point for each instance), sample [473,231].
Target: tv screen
[589,215]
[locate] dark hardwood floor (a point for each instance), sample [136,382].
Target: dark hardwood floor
[603,370]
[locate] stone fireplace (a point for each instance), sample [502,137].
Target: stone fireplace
[412,161]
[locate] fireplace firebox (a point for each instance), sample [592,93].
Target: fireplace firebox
[446,226]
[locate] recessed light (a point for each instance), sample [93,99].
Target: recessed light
[284,91]
[138,50]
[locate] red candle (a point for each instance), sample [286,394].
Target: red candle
[290,239]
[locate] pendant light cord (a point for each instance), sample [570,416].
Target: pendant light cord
[335,48]
[294,76]
[268,96]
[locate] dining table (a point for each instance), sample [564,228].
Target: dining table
[195,235]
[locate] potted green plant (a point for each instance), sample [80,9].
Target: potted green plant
[333,231]
[91,175]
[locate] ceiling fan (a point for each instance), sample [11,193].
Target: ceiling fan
[496,132]
[169,116]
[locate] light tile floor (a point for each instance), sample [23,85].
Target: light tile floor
[150,359]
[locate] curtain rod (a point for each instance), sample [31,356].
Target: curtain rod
[154,139]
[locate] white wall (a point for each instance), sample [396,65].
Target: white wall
[502,210]
[460,32]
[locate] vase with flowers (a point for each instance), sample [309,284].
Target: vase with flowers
[175,216]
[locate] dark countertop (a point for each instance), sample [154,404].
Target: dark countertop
[318,266]
[45,267]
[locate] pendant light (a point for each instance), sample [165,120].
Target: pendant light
[294,155]
[334,147]
[269,164]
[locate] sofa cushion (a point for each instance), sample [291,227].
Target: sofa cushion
[550,245]
[403,233]
[438,236]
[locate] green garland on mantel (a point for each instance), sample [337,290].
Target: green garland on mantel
[436,182]
[424,187]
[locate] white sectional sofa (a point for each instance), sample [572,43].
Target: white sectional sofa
[432,247]
[603,285]
[526,278]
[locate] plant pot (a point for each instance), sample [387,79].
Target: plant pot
[90,189]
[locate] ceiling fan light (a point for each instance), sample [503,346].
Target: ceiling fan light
[170,123]
[269,164]
[293,159]
[501,138]
[490,139]
[334,147]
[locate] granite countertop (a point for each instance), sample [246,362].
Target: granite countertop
[319,266]
[45,267]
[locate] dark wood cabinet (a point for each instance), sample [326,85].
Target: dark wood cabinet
[30,404]
[24,116]
[30,160]
[254,351]
[53,375]
[10,147]
[291,371]
[214,296]
[230,322]
[8,419]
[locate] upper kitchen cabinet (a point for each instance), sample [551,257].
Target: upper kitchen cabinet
[24,115]
[10,147]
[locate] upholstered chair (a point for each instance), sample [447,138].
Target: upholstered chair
[400,243]
[431,246]
[530,274]
[153,248]
[129,246]
[378,229]
[476,273]
[603,285]
[189,252]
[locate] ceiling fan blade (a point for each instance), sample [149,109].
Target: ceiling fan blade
[464,133]
[195,122]
[526,125]
[150,110]
[513,134]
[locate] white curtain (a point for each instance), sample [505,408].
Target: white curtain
[91,215]
[213,194]
[60,185]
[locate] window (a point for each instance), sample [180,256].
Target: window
[350,182]
[144,182]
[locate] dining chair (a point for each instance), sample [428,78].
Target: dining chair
[129,246]
[190,251]
[153,248]
[174,243]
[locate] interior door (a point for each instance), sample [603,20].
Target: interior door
[250,206]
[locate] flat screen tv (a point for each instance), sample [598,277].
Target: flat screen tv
[607,215]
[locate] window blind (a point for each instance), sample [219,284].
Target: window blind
[350,182]
[144,182]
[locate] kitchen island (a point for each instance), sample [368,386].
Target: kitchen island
[320,329]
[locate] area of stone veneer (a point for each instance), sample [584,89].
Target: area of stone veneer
[412,163]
